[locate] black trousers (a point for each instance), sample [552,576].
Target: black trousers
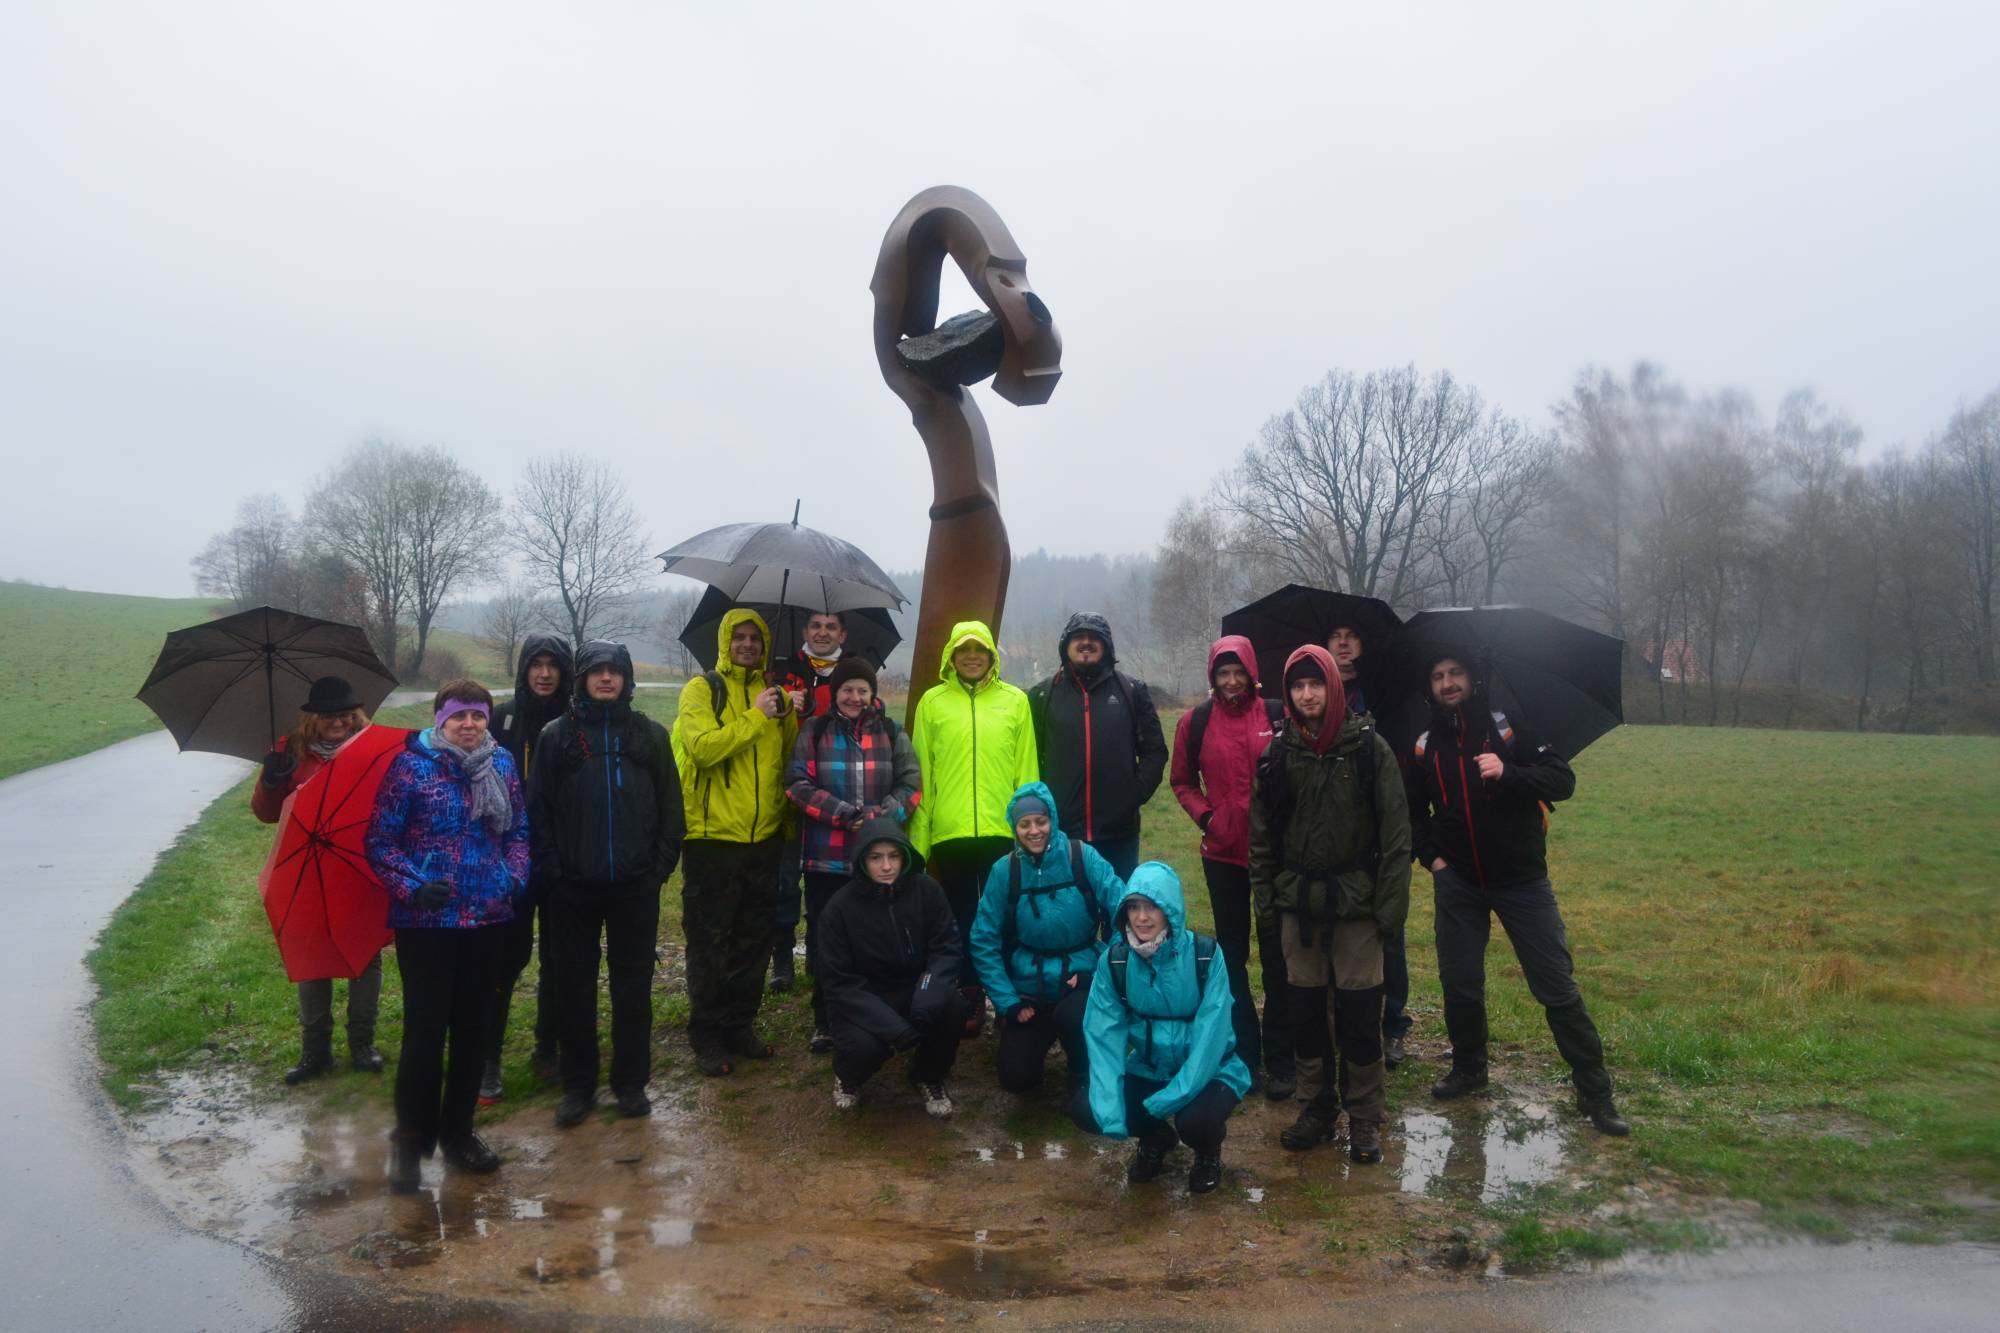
[820,889]
[960,866]
[517,946]
[1201,1124]
[1534,926]
[447,984]
[726,912]
[1024,1047]
[1235,916]
[858,1054]
[627,919]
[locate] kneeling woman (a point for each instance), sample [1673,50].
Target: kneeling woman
[1161,1045]
[888,967]
[1037,939]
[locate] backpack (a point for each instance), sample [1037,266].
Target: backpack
[1038,706]
[1120,953]
[1009,927]
[716,696]
[1198,724]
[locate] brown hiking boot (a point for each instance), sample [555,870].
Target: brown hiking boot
[1364,1141]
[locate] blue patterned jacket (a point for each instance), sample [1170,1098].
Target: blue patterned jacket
[423,830]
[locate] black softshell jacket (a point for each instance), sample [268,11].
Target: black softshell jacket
[1492,832]
[1102,750]
[888,954]
[518,722]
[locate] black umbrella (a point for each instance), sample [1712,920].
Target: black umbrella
[1560,681]
[224,687]
[1295,614]
[784,564]
[871,632]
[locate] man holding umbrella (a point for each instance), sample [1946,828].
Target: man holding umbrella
[1478,792]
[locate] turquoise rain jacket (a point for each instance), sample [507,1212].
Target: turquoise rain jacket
[1166,1028]
[1055,921]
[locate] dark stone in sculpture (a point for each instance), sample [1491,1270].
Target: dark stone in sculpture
[968,560]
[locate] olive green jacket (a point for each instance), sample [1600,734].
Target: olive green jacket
[1344,857]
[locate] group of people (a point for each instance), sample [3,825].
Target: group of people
[988,859]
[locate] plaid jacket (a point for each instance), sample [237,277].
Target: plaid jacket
[842,773]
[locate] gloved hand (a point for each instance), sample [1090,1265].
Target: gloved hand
[278,766]
[1207,818]
[433,894]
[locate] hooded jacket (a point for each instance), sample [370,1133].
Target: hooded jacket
[1337,855]
[888,954]
[1168,1027]
[1054,934]
[734,788]
[423,829]
[1098,737]
[976,746]
[1216,783]
[843,769]
[518,722]
[604,798]
[1493,832]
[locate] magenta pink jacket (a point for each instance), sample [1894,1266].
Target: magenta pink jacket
[1219,783]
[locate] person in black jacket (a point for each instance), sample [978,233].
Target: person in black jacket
[1102,750]
[606,823]
[542,683]
[888,964]
[1478,794]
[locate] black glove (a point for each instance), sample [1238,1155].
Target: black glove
[1207,817]
[278,768]
[433,894]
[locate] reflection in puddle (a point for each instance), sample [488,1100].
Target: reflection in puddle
[977,1273]
[1487,1158]
[1256,1193]
[671,1231]
[985,1155]
[1054,1152]
[526,1210]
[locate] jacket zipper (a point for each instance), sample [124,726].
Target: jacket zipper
[756,788]
[972,709]
[1465,789]
[610,808]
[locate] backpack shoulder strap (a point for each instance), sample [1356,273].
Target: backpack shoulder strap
[718,692]
[1197,727]
[1131,692]
[1275,710]
[1115,959]
[1090,899]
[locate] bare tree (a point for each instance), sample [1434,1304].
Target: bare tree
[454,534]
[1815,448]
[1196,581]
[515,612]
[255,562]
[581,543]
[677,606]
[364,511]
[1970,453]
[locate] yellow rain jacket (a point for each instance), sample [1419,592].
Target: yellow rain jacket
[733,780]
[976,746]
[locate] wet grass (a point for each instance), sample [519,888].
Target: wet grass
[73,661]
[1788,940]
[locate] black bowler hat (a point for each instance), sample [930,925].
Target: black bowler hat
[330,694]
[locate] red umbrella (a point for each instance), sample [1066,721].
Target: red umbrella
[329,912]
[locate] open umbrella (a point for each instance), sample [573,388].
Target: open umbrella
[1561,681]
[230,686]
[329,912]
[785,565]
[871,631]
[1296,614]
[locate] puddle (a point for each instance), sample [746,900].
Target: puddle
[1255,1193]
[1486,1157]
[980,1273]
[1054,1152]
[564,1266]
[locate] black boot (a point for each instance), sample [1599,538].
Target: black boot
[1364,1141]
[1316,1124]
[316,1059]
[1604,1117]
[468,1152]
[783,973]
[1280,1083]
[1205,1174]
[1459,1082]
[361,1053]
[1393,1052]
[405,1164]
[1150,1158]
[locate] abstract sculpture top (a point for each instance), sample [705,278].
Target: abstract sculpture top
[968,561]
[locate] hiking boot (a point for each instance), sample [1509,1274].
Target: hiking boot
[1364,1141]
[937,1102]
[405,1165]
[1458,1083]
[745,1041]
[491,1089]
[709,1055]
[1315,1125]
[1604,1118]
[1205,1174]
[1148,1160]
[975,1010]
[363,1058]
[844,1097]
[546,1064]
[315,1060]
[783,971]
[634,1104]
[468,1152]
[1280,1085]
[1394,1053]
[573,1109]
[821,1043]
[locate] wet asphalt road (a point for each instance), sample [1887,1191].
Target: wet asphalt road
[83,1247]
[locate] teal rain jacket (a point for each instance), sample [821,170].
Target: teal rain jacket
[1166,1028]
[1055,921]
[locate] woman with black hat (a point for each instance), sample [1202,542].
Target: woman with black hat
[330,716]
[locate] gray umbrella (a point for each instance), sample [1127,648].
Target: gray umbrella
[223,687]
[784,564]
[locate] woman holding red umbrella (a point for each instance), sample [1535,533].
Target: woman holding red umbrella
[330,715]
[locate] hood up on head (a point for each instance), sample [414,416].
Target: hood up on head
[884,829]
[535,645]
[1244,652]
[602,652]
[1336,696]
[724,628]
[1040,791]
[1088,622]
[1157,881]
[964,632]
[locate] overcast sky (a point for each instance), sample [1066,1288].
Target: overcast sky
[237,239]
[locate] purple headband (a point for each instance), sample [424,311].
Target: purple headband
[453,707]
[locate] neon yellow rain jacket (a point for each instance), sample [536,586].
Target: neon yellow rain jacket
[733,781]
[976,746]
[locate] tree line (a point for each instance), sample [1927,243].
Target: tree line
[1722,545]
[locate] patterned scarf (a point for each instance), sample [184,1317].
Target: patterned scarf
[490,802]
[820,665]
[1144,948]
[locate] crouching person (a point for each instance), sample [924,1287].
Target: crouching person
[888,966]
[1163,1062]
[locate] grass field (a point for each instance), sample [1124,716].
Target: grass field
[73,662]
[1788,940]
